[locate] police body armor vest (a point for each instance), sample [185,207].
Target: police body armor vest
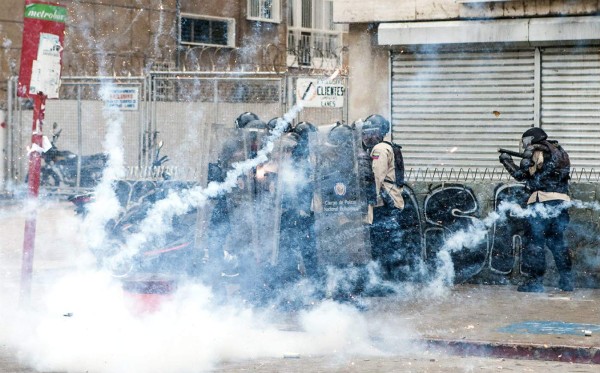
[555,172]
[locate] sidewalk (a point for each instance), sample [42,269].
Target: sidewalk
[498,321]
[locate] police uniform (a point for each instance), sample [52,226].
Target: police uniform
[547,180]
[384,172]
[384,214]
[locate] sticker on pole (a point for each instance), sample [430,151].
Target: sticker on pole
[43,40]
[323,93]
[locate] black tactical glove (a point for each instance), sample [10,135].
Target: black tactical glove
[505,157]
[526,163]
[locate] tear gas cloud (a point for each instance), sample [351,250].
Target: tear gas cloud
[82,320]
[84,323]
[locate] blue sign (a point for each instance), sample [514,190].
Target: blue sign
[549,327]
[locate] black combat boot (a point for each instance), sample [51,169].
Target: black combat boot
[565,283]
[531,285]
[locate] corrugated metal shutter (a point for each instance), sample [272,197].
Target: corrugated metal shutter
[571,102]
[453,110]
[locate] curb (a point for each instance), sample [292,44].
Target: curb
[569,354]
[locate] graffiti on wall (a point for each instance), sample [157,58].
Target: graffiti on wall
[507,237]
[448,209]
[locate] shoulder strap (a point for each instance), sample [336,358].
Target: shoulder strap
[392,144]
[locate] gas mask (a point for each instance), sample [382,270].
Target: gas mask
[525,142]
[371,137]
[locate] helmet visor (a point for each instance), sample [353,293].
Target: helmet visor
[371,136]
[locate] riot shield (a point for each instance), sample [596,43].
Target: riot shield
[294,253]
[340,203]
[238,234]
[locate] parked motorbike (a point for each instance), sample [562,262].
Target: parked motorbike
[60,166]
[169,254]
[82,200]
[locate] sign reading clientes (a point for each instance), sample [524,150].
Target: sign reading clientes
[321,92]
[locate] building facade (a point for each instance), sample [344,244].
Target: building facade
[188,65]
[130,38]
[460,78]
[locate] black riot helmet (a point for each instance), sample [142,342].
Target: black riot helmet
[341,134]
[379,121]
[536,134]
[371,133]
[272,124]
[245,118]
[532,136]
[303,129]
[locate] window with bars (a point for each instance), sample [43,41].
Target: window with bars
[264,10]
[200,30]
[311,32]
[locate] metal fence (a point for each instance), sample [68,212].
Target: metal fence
[175,108]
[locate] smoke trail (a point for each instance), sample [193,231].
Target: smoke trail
[477,233]
[157,221]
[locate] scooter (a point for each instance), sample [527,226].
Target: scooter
[60,166]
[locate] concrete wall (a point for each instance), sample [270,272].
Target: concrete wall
[360,11]
[581,236]
[368,87]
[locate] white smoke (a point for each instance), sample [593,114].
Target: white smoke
[157,221]
[106,205]
[477,233]
[84,322]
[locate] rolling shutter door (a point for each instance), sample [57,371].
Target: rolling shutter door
[571,102]
[453,110]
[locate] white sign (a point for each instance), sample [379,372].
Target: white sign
[323,93]
[124,98]
[45,71]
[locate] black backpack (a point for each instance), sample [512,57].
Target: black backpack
[398,163]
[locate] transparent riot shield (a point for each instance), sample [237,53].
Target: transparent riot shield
[295,249]
[340,203]
[238,234]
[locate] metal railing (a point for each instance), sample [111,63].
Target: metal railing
[497,174]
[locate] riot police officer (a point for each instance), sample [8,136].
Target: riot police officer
[274,122]
[243,144]
[545,169]
[243,119]
[304,214]
[384,213]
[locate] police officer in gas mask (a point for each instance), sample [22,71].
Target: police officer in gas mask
[384,213]
[545,169]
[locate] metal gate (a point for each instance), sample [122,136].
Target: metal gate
[81,117]
[453,109]
[570,102]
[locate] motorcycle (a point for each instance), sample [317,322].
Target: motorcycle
[60,166]
[169,254]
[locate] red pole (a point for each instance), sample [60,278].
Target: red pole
[35,161]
